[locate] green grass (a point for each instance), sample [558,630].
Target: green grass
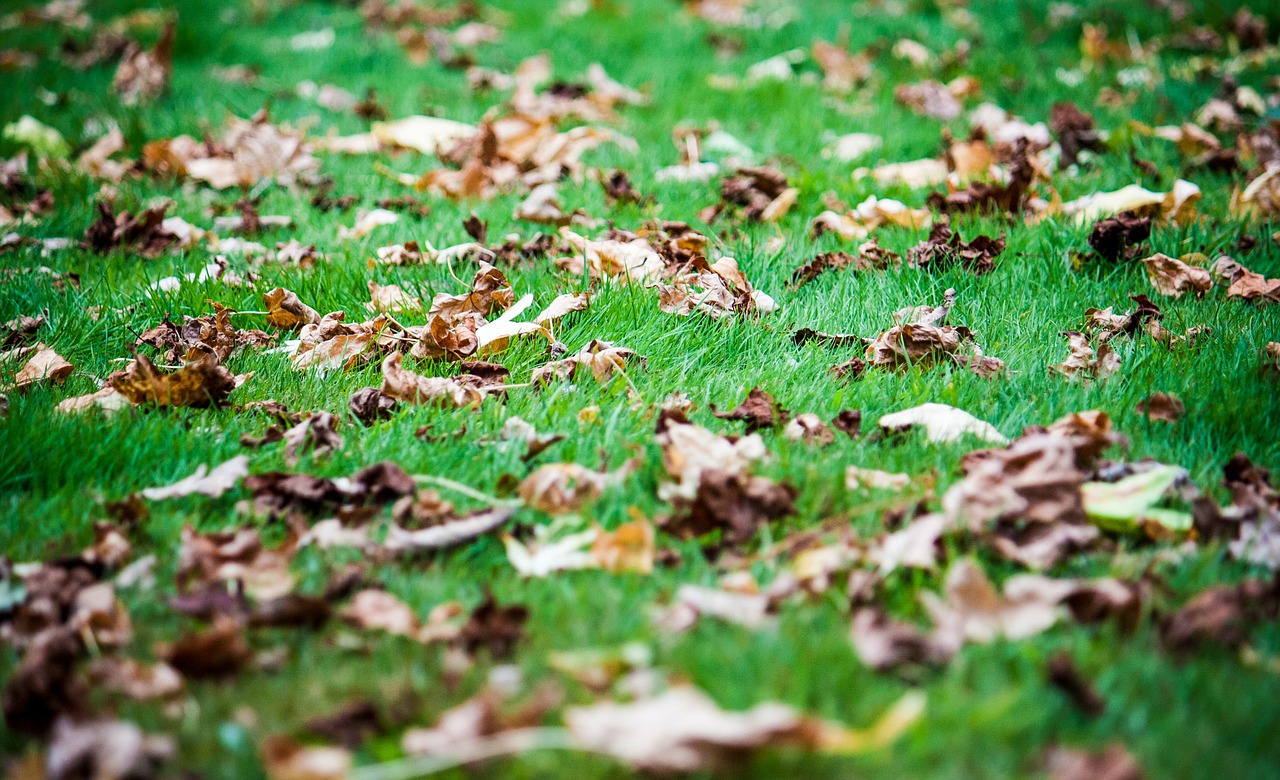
[990,712]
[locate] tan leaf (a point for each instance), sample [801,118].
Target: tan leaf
[404,385]
[942,423]
[206,482]
[285,759]
[44,366]
[391,298]
[285,310]
[1174,277]
[197,384]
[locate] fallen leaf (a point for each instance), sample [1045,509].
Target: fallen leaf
[212,483]
[285,759]
[404,385]
[1112,763]
[44,366]
[198,384]
[1164,407]
[1126,504]
[1173,277]
[758,411]
[942,424]
[683,730]
[1084,362]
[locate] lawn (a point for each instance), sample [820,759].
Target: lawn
[1204,708]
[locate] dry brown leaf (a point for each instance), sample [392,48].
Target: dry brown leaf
[44,366]
[198,384]
[561,488]
[1173,277]
[941,423]
[285,310]
[249,152]
[391,298]
[600,358]
[144,74]
[1084,362]
[868,215]
[404,385]
[206,482]
[689,450]
[285,759]
[683,730]
[1164,407]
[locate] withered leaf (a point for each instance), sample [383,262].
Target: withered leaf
[369,404]
[945,247]
[759,411]
[202,383]
[217,652]
[1171,276]
[1120,237]
[494,627]
[1164,407]
[404,385]
[285,310]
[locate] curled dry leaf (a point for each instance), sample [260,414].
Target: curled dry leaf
[736,504]
[1261,198]
[600,358]
[810,428]
[1120,237]
[683,730]
[316,434]
[1222,615]
[144,74]
[689,450]
[333,344]
[249,152]
[941,423]
[206,482]
[915,545]
[1173,277]
[1177,205]
[634,260]
[1164,407]
[749,610]
[285,759]
[366,222]
[945,247]
[1245,284]
[135,679]
[870,256]
[857,223]
[758,410]
[1084,362]
[198,384]
[217,652]
[452,532]
[718,290]
[1028,604]
[391,298]
[884,644]
[561,488]
[404,385]
[369,404]
[44,366]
